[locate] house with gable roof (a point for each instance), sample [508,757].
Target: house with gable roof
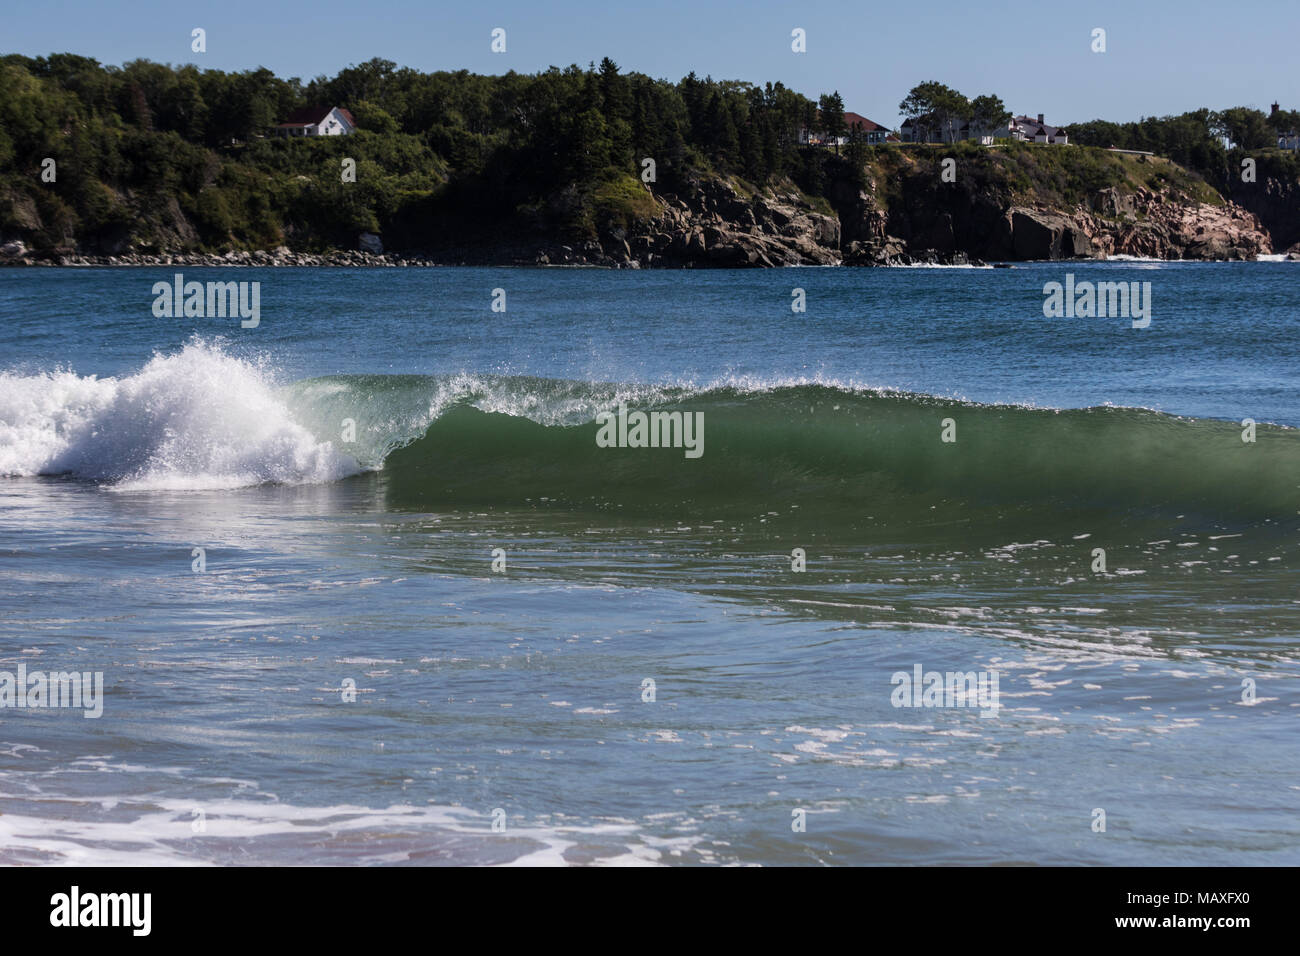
[1029,130]
[317,121]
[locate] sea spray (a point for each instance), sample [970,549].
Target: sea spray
[199,418]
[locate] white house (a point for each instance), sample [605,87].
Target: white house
[1028,130]
[317,121]
[979,133]
[1286,139]
[921,132]
[911,132]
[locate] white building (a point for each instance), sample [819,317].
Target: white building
[1029,130]
[317,121]
[922,133]
[1286,139]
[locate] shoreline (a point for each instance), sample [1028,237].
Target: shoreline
[363,260]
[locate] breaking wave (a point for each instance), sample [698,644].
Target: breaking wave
[201,418]
[198,419]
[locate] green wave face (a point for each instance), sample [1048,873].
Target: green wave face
[831,454]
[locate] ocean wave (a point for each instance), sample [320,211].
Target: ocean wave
[203,419]
[197,419]
[818,447]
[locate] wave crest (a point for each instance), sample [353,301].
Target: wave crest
[202,418]
[197,419]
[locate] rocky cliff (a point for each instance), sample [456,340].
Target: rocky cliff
[1276,201]
[903,205]
[924,219]
[903,212]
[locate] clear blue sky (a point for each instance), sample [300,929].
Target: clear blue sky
[1163,56]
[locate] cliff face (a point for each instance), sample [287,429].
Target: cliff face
[910,214]
[710,223]
[785,230]
[1016,204]
[1276,202]
[1146,224]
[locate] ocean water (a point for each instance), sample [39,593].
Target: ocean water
[364,586]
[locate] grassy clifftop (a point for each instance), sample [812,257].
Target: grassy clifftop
[1028,174]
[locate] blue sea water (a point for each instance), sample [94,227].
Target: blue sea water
[348,468]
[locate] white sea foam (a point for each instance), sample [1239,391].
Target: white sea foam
[197,419]
[940,265]
[122,831]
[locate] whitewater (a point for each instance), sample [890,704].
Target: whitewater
[195,419]
[203,419]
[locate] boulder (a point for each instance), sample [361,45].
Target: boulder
[1111,202]
[1036,234]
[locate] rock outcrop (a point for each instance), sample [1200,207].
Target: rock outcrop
[1277,204]
[1145,227]
[1142,224]
[711,222]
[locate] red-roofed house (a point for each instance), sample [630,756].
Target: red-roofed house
[871,132]
[317,121]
